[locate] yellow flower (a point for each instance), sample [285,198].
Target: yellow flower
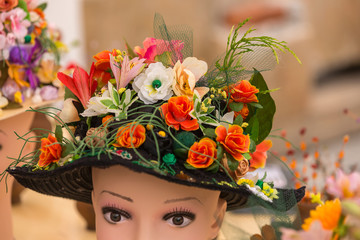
[269,191]
[18,97]
[246,181]
[316,198]
[328,214]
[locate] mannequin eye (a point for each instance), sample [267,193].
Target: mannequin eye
[179,219]
[114,215]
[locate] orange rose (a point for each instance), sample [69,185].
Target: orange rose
[131,135]
[233,140]
[7,5]
[50,151]
[243,92]
[202,153]
[244,112]
[176,113]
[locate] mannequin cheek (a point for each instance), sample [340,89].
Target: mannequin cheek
[218,218]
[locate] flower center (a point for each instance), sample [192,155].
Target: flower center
[156,84]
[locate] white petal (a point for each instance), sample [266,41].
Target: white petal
[197,67]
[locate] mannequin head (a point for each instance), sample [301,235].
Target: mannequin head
[133,206]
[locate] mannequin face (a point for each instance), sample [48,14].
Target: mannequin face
[138,206]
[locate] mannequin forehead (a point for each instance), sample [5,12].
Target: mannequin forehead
[139,186]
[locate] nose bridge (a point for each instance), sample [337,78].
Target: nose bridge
[145,230]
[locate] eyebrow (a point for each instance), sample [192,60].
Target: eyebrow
[118,195]
[183,199]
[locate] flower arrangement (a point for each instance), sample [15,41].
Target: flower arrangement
[29,54]
[179,117]
[338,218]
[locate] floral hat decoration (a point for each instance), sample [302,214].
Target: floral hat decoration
[156,109]
[29,54]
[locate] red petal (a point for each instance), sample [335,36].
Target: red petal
[68,82]
[220,133]
[81,80]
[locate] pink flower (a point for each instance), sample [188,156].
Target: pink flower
[128,70]
[315,232]
[344,186]
[155,47]
[18,24]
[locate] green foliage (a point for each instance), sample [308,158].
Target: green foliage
[236,106]
[58,133]
[232,163]
[69,94]
[260,123]
[42,6]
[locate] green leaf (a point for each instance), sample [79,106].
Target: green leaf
[232,163]
[107,102]
[181,153]
[188,166]
[69,94]
[252,147]
[262,118]
[67,149]
[113,107]
[210,132]
[58,133]
[208,120]
[235,106]
[257,105]
[116,96]
[220,153]
[131,53]
[213,168]
[42,6]
[22,4]
[254,132]
[247,156]
[238,120]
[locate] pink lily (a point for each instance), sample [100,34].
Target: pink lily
[258,158]
[128,70]
[344,186]
[81,84]
[18,24]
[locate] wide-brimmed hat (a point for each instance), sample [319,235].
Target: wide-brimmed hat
[156,109]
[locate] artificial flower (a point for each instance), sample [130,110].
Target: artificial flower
[258,158]
[102,67]
[244,112]
[3,101]
[269,191]
[202,153]
[50,151]
[96,137]
[9,89]
[81,84]
[240,171]
[344,186]
[131,135]
[176,113]
[233,140]
[243,92]
[17,22]
[316,231]
[49,93]
[328,214]
[155,47]
[127,70]
[186,76]
[17,74]
[6,5]
[154,84]
[47,72]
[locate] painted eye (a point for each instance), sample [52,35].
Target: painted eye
[114,215]
[179,219]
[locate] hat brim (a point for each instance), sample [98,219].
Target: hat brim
[74,181]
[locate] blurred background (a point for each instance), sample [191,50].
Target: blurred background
[322,94]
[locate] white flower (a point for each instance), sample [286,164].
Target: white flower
[155,84]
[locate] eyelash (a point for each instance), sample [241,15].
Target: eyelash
[186,218]
[109,208]
[181,211]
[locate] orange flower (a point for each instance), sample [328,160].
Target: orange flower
[258,158]
[233,140]
[8,5]
[328,214]
[243,92]
[202,153]
[131,135]
[244,112]
[176,113]
[102,67]
[50,151]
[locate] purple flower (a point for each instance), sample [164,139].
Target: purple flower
[9,89]
[49,93]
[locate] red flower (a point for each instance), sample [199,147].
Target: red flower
[243,92]
[50,151]
[233,140]
[244,112]
[176,113]
[202,153]
[81,84]
[258,158]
